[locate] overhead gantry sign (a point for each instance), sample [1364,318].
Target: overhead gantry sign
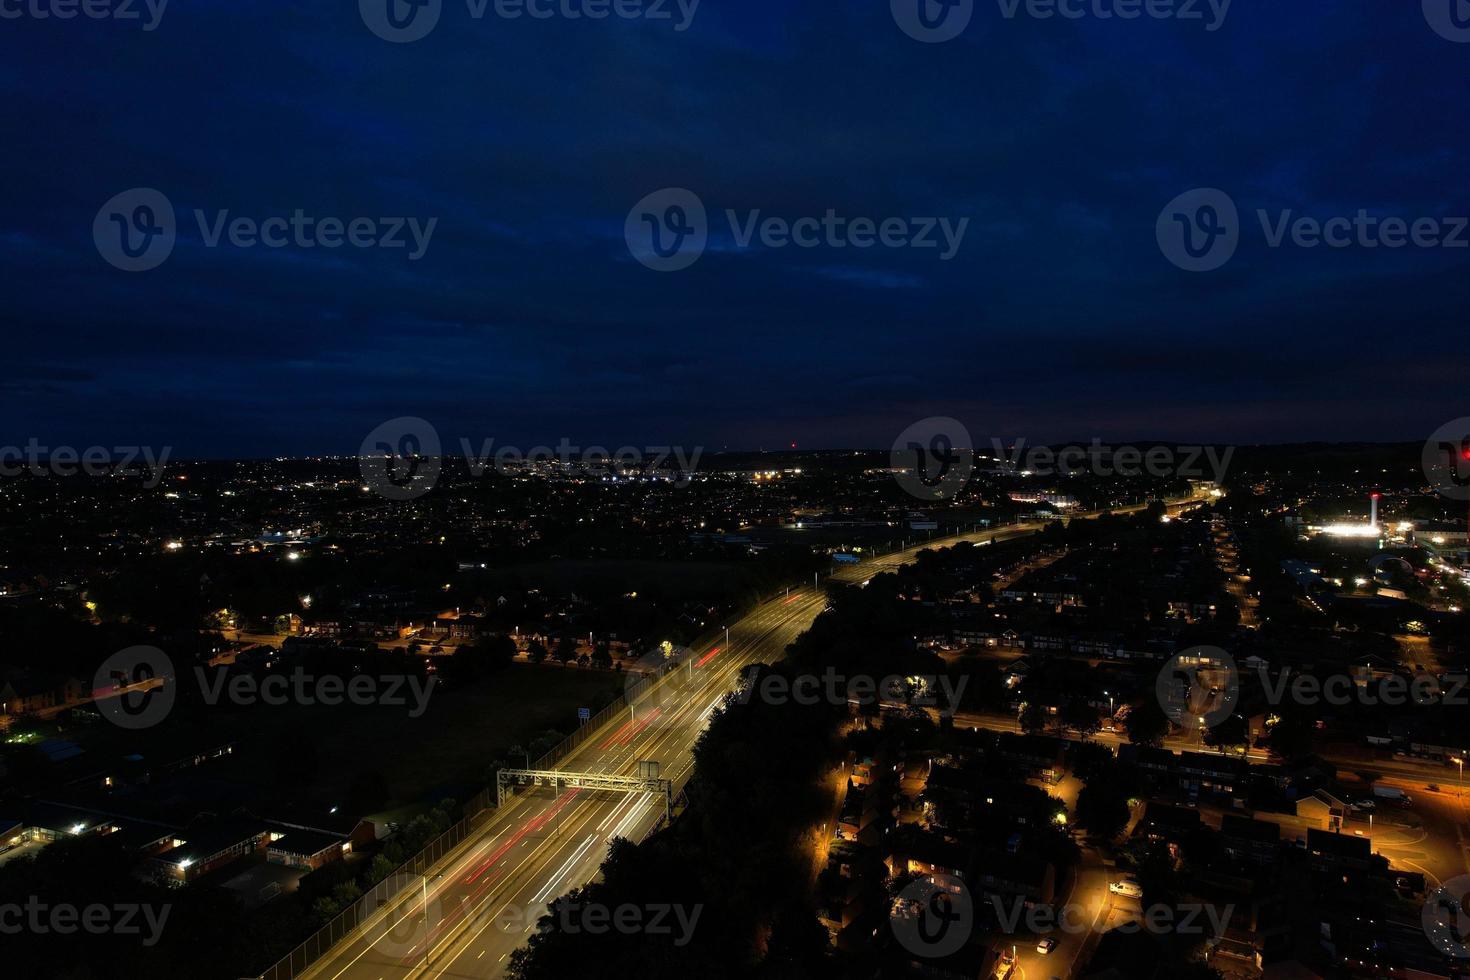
[647,781]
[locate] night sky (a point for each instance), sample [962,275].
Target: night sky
[527,319]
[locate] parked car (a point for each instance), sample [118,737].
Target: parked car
[1128,888]
[1046,945]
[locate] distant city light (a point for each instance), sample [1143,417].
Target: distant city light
[1350,530]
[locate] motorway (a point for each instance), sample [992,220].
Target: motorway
[480,903]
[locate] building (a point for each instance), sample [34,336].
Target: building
[208,844]
[1332,851]
[1249,841]
[1011,876]
[300,847]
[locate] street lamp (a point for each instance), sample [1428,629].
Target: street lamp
[428,939]
[1460,761]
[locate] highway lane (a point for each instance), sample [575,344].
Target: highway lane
[538,846]
[479,904]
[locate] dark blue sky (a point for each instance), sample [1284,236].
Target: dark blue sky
[527,319]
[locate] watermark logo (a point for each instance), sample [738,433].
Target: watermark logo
[938,691]
[135,688]
[1199,230]
[1449,18]
[933,917]
[932,458]
[412,915]
[123,919]
[1162,462]
[99,461]
[597,462]
[597,919]
[405,21]
[1446,459]
[1202,686]
[400,460]
[1199,686]
[120,10]
[329,690]
[135,231]
[401,21]
[1188,919]
[932,21]
[668,230]
[1445,920]
[1180,10]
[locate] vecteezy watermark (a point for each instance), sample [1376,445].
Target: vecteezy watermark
[1187,919]
[39,460]
[932,458]
[933,917]
[1339,690]
[402,459]
[1450,19]
[596,919]
[1200,685]
[1200,230]
[148,13]
[670,229]
[1445,919]
[329,690]
[137,688]
[411,914]
[406,21]
[932,21]
[1446,459]
[122,919]
[136,231]
[1211,13]
[937,21]
[1164,462]
[922,691]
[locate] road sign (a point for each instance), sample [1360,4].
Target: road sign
[585,714]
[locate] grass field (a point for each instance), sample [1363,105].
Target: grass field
[451,745]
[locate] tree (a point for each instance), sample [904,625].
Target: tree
[495,652]
[566,650]
[1291,737]
[1034,719]
[1091,759]
[536,652]
[1080,716]
[602,656]
[1228,734]
[464,666]
[1147,724]
[1102,808]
